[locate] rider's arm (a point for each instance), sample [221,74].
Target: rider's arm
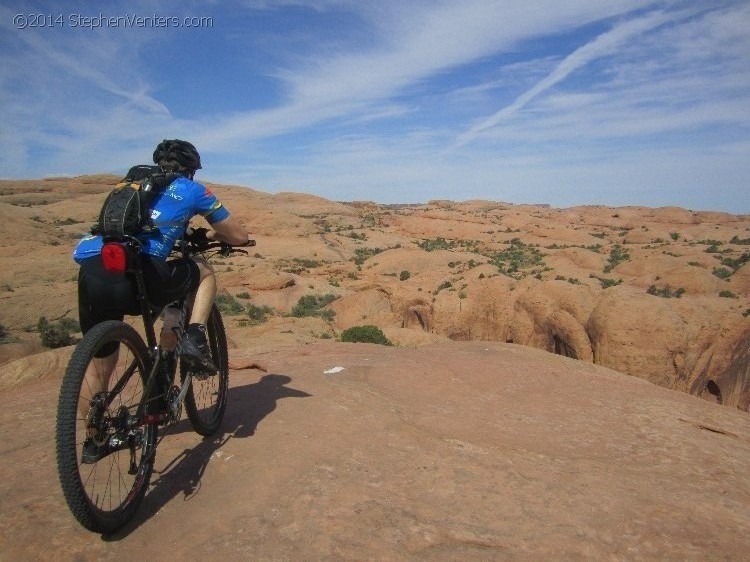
[229,231]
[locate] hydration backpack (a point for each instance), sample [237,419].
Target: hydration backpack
[127,209]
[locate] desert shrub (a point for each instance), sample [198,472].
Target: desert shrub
[674,236]
[443,285]
[243,295]
[518,256]
[665,292]
[617,255]
[736,263]
[438,243]
[607,283]
[738,240]
[306,263]
[58,334]
[3,333]
[404,275]
[722,272]
[365,334]
[361,255]
[728,295]
[228,305]
[258,314]
[311,305]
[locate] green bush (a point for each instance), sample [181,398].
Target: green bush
[438,243]
[244,295]
[228,305]
[674,236]
[665,292]
[59,334]
[616,256]
[258,314]
[404,275]
[311,305]
[728,295]
[607,283]
[722,273]
[365,334]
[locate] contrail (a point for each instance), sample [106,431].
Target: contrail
[603,45]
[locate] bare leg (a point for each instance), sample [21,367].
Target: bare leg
[96,380]
[204,295]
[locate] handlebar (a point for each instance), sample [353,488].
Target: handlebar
[224,249]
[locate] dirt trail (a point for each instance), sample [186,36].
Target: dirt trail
[454,451]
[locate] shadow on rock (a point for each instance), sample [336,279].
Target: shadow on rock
[247,406]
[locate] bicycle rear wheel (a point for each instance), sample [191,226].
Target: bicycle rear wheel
[206,399]
[104,456]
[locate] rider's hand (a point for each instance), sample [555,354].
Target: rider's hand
[197,236]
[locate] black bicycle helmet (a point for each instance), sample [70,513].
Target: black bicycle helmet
[180,151]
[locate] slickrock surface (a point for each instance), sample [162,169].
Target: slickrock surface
[457,450]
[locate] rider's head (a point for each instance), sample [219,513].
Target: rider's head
[177,156]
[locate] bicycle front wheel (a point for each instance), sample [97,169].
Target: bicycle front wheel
[105,455]
[206,399]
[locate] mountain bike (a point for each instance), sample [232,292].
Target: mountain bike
[107,426]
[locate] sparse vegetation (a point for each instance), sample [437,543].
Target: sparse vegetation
[736,263]
[259,314]
[365,334]
[722,272]
[518,256]
[665,292]
[728,295]
[228,305]
[617,255]
[607,283]
[443,285]
[306,263]
[438,243]
[739,241]
[361,255]
[243,295]
[311,305]
[58,334]
[674,236]
[404,275]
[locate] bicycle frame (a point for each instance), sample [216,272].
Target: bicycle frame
[131,263]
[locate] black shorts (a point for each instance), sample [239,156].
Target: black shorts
[110,296]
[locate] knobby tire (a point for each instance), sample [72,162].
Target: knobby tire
[206,399]
[103,496]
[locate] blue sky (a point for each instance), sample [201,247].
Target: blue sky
[535,101]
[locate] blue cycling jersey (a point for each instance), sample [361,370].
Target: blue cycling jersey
[171,212]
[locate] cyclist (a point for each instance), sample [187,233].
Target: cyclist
[109,296]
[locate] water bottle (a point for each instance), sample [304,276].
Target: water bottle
[170,325]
